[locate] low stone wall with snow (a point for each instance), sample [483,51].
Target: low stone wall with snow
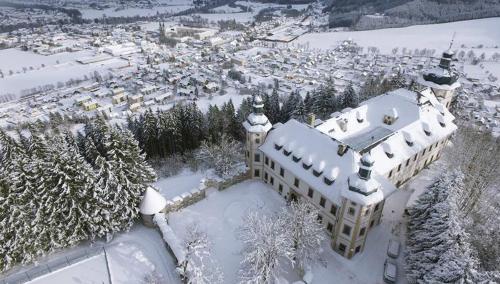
[185,199]
[232,181]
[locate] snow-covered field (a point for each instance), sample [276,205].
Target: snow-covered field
[438,36]
[132,256]
[221,213]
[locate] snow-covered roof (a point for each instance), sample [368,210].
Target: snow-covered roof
[152,202]
[418,114]
[257,122]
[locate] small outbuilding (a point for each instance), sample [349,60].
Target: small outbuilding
[152,202]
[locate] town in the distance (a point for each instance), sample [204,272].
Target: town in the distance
[273,142]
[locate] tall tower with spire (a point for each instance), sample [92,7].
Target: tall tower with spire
[256,126]
[442,79]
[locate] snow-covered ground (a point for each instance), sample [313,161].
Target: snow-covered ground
[132,256]
[173,186]
[438,36]
[220,215]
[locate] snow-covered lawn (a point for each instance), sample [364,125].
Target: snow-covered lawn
[131,257]
[470,33]
[220,214]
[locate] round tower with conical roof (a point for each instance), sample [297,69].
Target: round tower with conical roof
[442,79]
[256,127]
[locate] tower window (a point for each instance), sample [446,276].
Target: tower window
[257,157]
[342,248]
[351,211]
[257,140]
[346,230]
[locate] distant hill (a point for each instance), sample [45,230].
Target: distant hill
[375,14]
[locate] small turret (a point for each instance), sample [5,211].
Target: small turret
[256,127]
[362,182]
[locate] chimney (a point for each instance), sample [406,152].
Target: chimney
[311,119]
[342,149]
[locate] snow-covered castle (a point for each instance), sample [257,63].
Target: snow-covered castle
[349,164]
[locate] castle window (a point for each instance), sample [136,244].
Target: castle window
[280,188]
[346,230]
[376,207]
[265,176]
[351,211]
[267,160]
[390,174]
[271,180]
[333,210]
[342,248]
[296,182]
[407,162]
[362,231]
[415,157]
[310,192]
[272,165]
[399,168]
[372,223]
[358,248]
[282,172]
[322,202]
[256,173]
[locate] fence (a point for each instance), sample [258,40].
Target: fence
[51,266]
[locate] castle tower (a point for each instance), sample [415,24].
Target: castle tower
[362,203]
[256,127]
[442,79]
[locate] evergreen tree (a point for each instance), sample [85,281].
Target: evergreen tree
[325,101]
[351,98]
[274,107]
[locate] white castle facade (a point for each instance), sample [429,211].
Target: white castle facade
[349,164]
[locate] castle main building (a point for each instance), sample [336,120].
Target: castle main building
[349,164]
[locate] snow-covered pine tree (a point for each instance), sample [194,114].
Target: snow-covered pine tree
[132,172]
[65,193]
[351,98]
[199,266]
[230,122]
[306,231]
[438,247]
[266,245]
[214,123]
[274,107]
[325,101]
[289,106]
[150,134]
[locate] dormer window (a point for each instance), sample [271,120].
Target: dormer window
[328,181]
[441,121]
[388,150]
[286,153]
[306,166]
[277,147]
[359,117]
[408,138]
[427,129]
[316,173]
[295,158]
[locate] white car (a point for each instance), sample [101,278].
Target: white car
[390,272]
[393,248]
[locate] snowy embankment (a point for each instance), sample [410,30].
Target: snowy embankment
[437,36]
[132,257]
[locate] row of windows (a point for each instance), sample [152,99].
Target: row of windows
[415,158]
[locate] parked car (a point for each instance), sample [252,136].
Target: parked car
[393,248]
[390,271]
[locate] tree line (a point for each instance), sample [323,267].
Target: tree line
[58,189]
